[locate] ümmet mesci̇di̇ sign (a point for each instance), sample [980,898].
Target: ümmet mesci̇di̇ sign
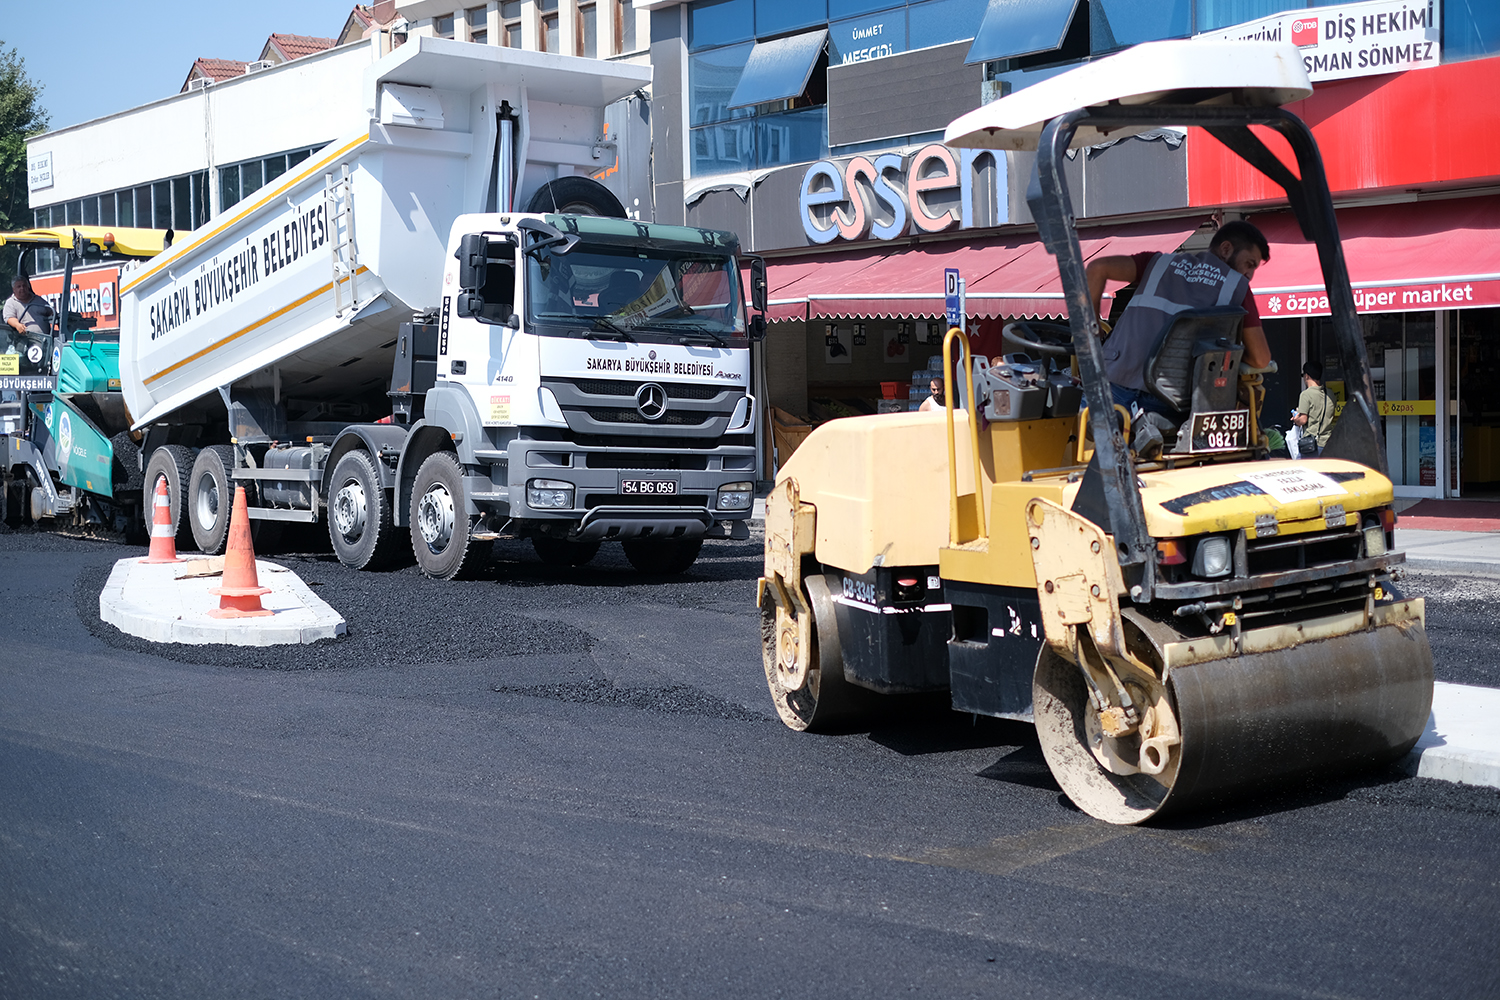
[892,195]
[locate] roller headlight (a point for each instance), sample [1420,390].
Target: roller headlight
[1212,557]
[1375,541]
[736,496]
[549,494]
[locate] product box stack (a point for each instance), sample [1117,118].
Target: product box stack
[921,382]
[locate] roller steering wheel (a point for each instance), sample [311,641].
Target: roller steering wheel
[1048,340]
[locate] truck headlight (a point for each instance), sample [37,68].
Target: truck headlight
[549,494]
[1374,541]
[736,496]
[1212,557]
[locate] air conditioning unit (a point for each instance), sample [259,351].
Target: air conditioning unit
[258,65]
[199,83]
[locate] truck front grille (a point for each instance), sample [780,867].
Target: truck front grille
[645,460]
[611,387]
[672,418]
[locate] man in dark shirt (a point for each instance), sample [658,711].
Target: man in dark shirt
[1177,282]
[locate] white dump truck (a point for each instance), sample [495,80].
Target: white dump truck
[442,324]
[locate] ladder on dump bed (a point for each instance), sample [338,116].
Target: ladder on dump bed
[338,194]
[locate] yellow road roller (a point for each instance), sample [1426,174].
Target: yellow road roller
[1183,625]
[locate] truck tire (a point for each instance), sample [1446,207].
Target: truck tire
[439,525]
[662,557]
[576,196]
[561,552]
[210,498]
[359,514]
[174,463]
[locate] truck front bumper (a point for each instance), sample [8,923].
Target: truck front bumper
[601,487]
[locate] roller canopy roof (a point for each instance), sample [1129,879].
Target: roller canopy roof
[1182,71]
[122,240]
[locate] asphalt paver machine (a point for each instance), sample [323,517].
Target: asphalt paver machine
[67,457]
[1181,629]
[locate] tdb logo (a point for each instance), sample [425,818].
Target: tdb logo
[1305,32]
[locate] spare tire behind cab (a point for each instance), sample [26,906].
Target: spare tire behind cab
[576,196]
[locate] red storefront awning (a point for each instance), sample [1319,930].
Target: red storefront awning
[1004,277]
[1401,258]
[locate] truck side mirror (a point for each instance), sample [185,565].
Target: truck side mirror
[758,284]
[473,261]
[758,327]
[469,304]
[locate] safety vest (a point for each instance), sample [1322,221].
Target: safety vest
[1172,282]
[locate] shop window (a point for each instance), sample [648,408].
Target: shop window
[275,167]
[91,211]
[292,159]
[1114,24]
[722,23]
[853,8]
[107,209]
[722,149]
[791,137]
[144,217]
[586,30]
[477,20]
[510,28]
[73,213]
[200,198]
[624,27]
[784,70]
[712,79]
[939,22]
[549,37]
[1470,30]
[229,186]
[773,17]
[182,204]
[1010,29]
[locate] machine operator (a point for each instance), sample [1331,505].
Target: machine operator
[1168,284]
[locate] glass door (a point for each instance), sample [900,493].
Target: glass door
[1404,350]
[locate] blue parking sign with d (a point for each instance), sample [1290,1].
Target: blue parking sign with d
[951,294]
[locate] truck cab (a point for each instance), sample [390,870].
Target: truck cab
[599,370]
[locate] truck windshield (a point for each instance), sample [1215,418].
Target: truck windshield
[633,290]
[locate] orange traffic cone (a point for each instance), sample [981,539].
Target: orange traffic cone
[163,533]
[240,595]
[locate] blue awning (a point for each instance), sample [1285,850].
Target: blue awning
[1013,28]
[779,69]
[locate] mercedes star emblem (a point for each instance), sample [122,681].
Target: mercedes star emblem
[651,401]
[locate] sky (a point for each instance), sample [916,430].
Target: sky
[70,46]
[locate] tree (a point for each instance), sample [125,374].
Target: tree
[21,116]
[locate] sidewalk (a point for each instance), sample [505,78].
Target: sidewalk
[1472,553]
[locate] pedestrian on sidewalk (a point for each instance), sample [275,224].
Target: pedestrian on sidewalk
[1315,409]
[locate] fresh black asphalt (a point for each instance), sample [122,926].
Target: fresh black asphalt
[569,783]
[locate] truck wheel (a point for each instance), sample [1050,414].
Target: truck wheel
[210,497]
[809,690]
[664,557]
[439,525]
[561,552]
[174,463]
[359,514]
[576,196]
